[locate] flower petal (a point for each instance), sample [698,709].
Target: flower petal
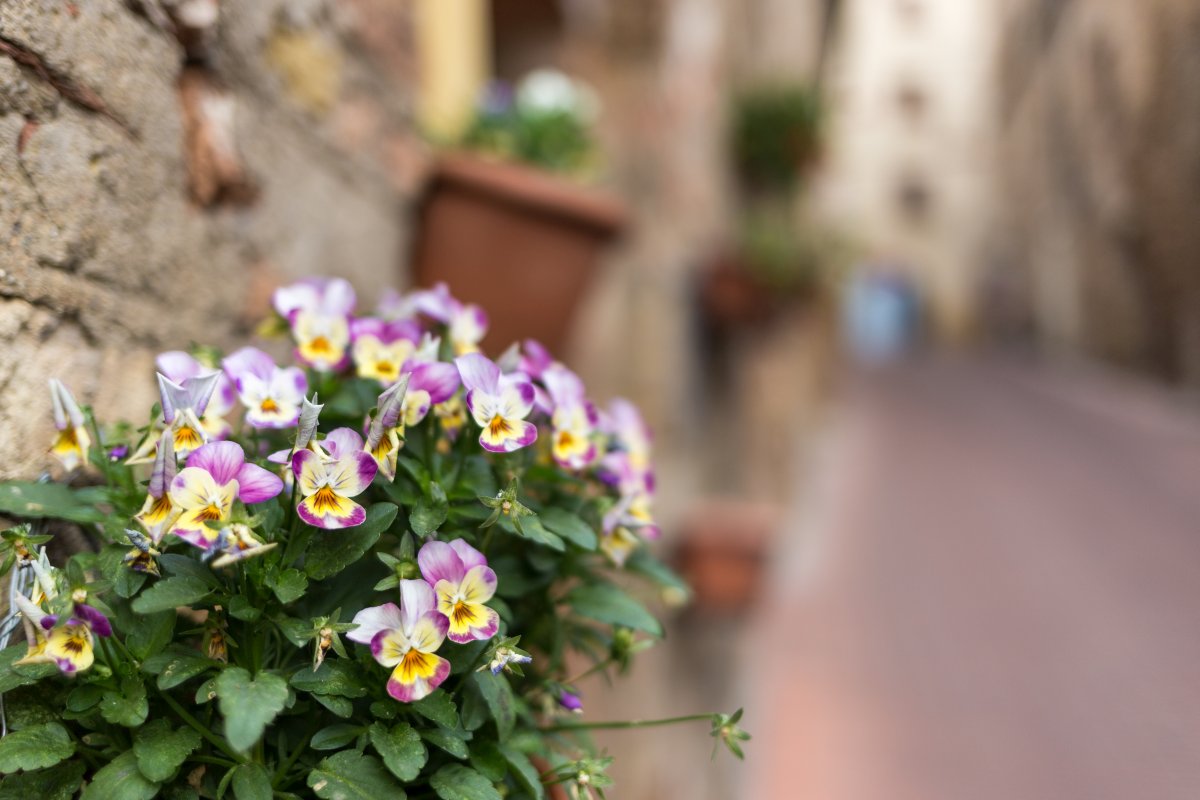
[469,556]
[420,687]
[416,599]
[248,361]
[389,645]
[478,585]
[178,365]
[222,460]
[331,511]
[371,621]
[478,372]
[256,484]
[309,471]
[439,562]
[429,631]
[342,442]
[351,474]
[439,379]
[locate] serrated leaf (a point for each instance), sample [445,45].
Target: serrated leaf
[160,751]
[401,749]
[249,704]
[35,747]
[446,740]
[128,706]
[333,737]
[251,782]
[430,512]
[13,676]
[456,782]
[120,779]
[241,608]
[605,602]
[171,593]
[438,707]
[289,585]
[332,551]
[335,676]
[176,666]
[350,775]
[569,526]
[60,783]
[497,693]
[525,773]
[150,633]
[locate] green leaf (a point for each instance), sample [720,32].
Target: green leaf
[643,562]
[126,707]
[60,783]
[438,707]
[288,585]
[160,751]
[120,779]
[430,512]
[296,631]
[170,593]
[251,782]
[456,782]
[181,566]
[487,758]
[605,602]
[83,697]
[334,737]
[532,529]
[36,747]
[333,551]
[526,774]
[249,704]
[241,608]
[53,500]
[150,633]
[350,775]
[451,742]
[335,676]
[13,676]
[111,563]
[476,479]
[339,706]
[176,666]
[401,749]
[569,526]
[499,698]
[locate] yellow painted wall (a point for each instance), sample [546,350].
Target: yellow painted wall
[454,52]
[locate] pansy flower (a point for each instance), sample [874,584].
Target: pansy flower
[272,395]
[463,582]
[452,415]
[71,444]
[329,482]
[179,366]
[429,384]
[627,465]
[183,406]
[381,348]
[65,643]
[237,543]
[499,403]
[466,323]
[318,311]
[383,432]
[573,420]
[406,637]
[158,512]
[625,525]
[204,490]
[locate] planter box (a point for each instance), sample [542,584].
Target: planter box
[522,243]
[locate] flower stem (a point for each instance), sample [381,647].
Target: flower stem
[615,725]
[214,740]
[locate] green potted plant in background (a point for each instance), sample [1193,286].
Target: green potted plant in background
[507,217]
[385,576]
[774,139]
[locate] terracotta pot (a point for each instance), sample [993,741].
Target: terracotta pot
[522,243]
[723,553]
[730,297]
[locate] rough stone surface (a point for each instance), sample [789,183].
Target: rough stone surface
[104,258]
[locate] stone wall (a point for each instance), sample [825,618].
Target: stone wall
[161,168]
[1097,239]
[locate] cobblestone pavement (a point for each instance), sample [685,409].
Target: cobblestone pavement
[991,589]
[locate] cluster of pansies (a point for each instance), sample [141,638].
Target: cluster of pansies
[457,519]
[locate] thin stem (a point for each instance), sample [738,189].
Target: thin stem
[594,669]
[615,725]
[203,731]
[287,765]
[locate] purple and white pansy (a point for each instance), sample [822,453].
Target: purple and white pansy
[271,394]
[204,490]
[463,582]
[318,311]
[179,366]
[466,323]
[406,638]
[499,403]
[573,420]
[330,479]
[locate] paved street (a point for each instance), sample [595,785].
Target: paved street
[990,589]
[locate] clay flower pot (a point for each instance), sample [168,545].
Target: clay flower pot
[520,242]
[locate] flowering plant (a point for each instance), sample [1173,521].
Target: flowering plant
[387,577]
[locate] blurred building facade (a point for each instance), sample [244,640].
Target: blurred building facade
[1096,238]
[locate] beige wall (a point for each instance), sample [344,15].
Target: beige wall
[106,260]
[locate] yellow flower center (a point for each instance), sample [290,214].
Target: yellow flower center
[209,513]
[499,427]
[187,437]
[320,344]
[269,406]
[325,500]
